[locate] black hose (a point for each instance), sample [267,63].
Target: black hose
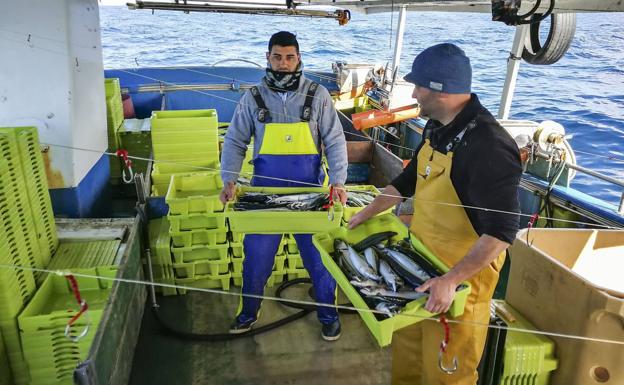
[305,310]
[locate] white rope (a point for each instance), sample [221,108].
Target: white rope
[308,303]
[320,185]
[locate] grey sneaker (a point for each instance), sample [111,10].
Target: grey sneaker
[238,327]
[331,332]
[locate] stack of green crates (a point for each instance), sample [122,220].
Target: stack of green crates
[238,256]
[528,358]
[114,120]
[37,187]
[16,185]
[162,264]
[183,141]
[52,356]
[27,233]
[198,231]
[294,263]
[16,286]
[134,135]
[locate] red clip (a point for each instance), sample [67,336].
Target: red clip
[532,220]
[447,334]
[83,309]
[530,225]
[123,154]
[330,204]
[443,346]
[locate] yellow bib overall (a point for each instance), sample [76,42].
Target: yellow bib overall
[446,230]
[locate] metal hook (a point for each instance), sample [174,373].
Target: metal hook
[85,331]
[441,365]
[443,346]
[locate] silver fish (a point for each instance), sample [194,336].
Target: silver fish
[371,258]
[389,276]
[404,294]
[369,283]
[388,308]
[407,265]
[355,263]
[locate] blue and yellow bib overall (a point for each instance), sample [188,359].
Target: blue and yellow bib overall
[287,155]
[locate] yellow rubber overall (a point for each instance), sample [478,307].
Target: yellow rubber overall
[446,230]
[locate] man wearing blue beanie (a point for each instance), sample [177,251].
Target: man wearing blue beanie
[466,162]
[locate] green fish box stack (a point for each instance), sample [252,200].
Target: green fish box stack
[134,136]
[528,358]
[27,234]
[198,231]
[238,256]
[114,120]
[183,141]
[29,241]
[50,350]
[160,247]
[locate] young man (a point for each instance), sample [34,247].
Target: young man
[465,161]
[291,120]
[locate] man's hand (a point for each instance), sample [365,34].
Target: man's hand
[340,193]
[358,219]
[441,293]
[228,192]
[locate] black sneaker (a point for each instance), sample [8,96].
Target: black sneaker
[238,327]
[331,332]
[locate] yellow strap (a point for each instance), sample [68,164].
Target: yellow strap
[287,139]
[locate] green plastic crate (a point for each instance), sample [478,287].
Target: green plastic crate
[200,252]
[278,265]
[282,222]
[54,304]
[201,268]
[112,86]
[527,358]
[382,330]
[199,237]
[294,261]
[37,186]
[297,273]
[182,153]
[134,136]
[161,172]
[15,199]
[12,238]
[221,281]
[351,211]
[197,221]
[275,278]
[194,193]
[184,120]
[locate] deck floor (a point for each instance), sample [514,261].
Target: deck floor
[293,354]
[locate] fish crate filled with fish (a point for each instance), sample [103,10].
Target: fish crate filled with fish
[281,210]
[358,197]
[378,265]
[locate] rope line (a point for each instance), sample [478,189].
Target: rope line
[310,303]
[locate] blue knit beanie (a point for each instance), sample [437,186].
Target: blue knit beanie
[442,67]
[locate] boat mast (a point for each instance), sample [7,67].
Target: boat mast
[513,65]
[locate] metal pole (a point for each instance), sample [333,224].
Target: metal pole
[513,64]
[398,44]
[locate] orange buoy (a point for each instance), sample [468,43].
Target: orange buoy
[372,118]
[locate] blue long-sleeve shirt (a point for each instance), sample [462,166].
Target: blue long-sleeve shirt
[324,124]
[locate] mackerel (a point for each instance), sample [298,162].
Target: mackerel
[371,258]
[354,262]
